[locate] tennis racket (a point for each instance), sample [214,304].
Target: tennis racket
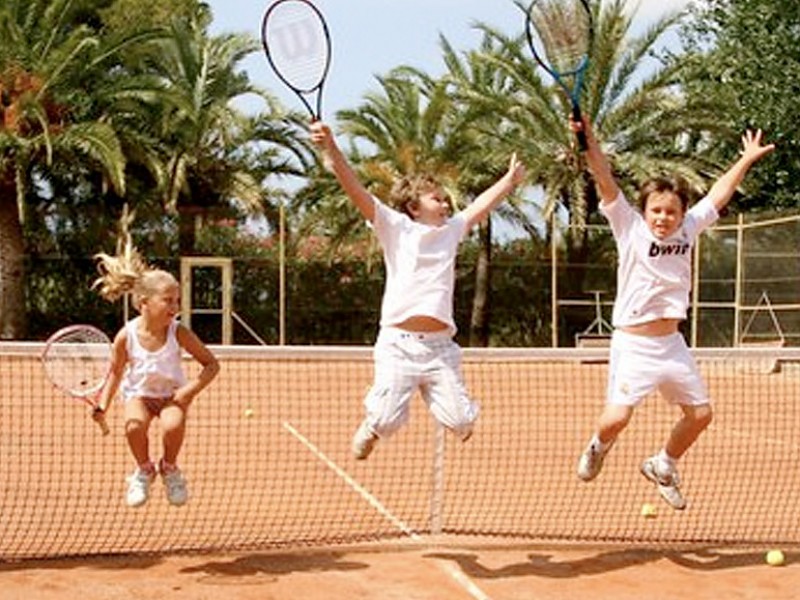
[298,48]
[560,36]
[77,361]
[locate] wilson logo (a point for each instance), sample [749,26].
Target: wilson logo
[677,249]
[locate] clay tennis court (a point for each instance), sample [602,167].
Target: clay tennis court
[279,509]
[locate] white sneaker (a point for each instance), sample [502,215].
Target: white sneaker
[591,461]
[138,488]
[175,483]
[668,483]
[364,441]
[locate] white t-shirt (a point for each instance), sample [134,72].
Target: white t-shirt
[152,374]
[420,266]
[654,277]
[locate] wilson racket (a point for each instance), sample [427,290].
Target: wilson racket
[560,36]
[298,48]
[77,361]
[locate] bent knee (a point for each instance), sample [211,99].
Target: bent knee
[701,415]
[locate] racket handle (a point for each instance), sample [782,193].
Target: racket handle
[580,134]
[99,417]
[103,425]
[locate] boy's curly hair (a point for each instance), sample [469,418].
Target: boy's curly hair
[406,191]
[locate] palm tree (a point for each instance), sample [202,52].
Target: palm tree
[445,126]
[644,124]
[46,58]
[191,93]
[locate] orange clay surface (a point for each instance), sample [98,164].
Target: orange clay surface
[257,480]
[431,573]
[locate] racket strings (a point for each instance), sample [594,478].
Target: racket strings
[296,42]
[78,362]
[561,33]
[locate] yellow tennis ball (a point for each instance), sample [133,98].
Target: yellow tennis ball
[775,558]
[248,412]
[648,511]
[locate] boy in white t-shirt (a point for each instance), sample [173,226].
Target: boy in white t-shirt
[415,347]
[653,284]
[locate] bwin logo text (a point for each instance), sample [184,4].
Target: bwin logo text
[678,249]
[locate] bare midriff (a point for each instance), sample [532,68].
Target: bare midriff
[655,328]
[422,324]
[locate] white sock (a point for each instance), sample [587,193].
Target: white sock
[598,445]
[665,462]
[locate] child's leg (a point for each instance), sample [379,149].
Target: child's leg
[444,391]
[614,418]
[387,402]
[686,431]
[137,423]
[173,429]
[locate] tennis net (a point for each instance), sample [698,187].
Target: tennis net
[267,458]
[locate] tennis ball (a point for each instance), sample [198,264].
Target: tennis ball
[648,511]
[248,412]
[775,558]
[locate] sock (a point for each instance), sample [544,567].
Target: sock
[665,462]
[148,468]
[598,445]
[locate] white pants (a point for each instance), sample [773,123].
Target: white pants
[641,364]
[431,362]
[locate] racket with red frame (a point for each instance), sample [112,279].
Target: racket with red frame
[297,45]
[77,361]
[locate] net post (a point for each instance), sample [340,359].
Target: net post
[437,480]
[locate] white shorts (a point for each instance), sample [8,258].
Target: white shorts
[431,362]
[642,364]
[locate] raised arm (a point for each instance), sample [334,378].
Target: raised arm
[752,151]
[485,202]
[598,164]
[333,158]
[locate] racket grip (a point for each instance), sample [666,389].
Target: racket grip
[582,144]
[580,134]
[99,417]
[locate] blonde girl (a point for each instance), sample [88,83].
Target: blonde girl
[146,368]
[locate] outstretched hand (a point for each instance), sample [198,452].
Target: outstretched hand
[321,135]
[752,148]
[516,170]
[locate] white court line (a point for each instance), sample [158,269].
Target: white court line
[360,489]
[457,575]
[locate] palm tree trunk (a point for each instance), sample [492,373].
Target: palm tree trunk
[12,266]
[479,322]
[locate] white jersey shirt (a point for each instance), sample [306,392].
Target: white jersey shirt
[654,277]
[152,374]
[420,266]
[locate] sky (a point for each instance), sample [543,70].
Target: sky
[370,37]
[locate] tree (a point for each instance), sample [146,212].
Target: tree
[746,59]
[645,125]
[191,91]
[47,58]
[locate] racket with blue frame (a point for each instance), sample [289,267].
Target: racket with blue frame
[560,34]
